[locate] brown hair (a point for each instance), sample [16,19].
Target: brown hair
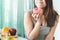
[49,13]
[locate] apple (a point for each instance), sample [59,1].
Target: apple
[12,31]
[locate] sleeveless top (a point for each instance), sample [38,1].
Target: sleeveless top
[43,31]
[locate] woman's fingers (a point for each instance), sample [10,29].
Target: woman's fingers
[35,16]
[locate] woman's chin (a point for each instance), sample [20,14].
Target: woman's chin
[40,7]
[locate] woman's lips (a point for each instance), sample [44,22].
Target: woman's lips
[40,3]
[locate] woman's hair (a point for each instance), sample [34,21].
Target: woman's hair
[49,13]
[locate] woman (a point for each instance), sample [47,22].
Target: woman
[41,25]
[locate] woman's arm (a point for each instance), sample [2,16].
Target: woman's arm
[31,31]
[52,30]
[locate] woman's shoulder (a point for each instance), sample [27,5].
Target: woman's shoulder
[57,15]
[57,18]
[28,13]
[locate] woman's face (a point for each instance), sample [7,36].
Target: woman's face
[40,3]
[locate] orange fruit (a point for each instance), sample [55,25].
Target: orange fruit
[5,29]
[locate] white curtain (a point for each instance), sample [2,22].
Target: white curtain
[9,15]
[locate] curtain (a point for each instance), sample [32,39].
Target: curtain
[0,12]
[9,13]
[12,14]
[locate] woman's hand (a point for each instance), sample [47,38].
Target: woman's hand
[49,37]
[35,16]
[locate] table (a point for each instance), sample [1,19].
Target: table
[19,38]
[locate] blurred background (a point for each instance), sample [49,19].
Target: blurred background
[12,14]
